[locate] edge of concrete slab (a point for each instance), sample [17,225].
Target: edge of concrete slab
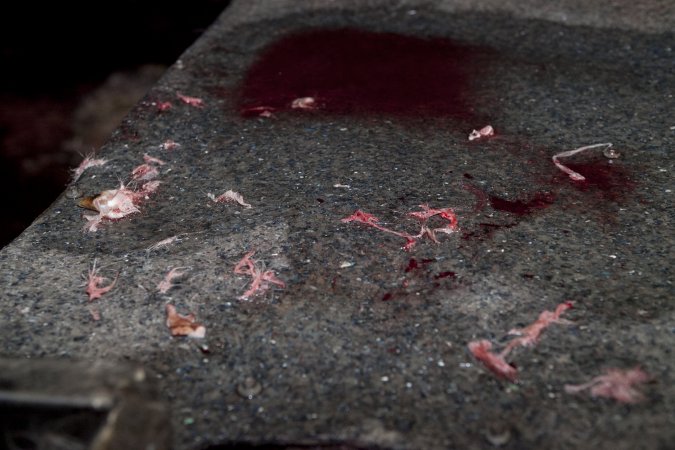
[653,16]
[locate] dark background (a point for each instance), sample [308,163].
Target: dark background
[69,72]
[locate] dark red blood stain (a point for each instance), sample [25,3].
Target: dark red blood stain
[413,264]
[444,275]
[481,197]
[350,71]
[388,296]
[485,231]
[540,200]
[468,176]
[320,200]
[611,181]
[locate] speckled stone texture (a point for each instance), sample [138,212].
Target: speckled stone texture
[366,346]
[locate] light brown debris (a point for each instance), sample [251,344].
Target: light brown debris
[183,325]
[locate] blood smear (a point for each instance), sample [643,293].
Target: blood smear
[540,200]
[413,264]
[362,72]
[445,275]
[612,181]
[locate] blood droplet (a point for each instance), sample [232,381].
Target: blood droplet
[412,265]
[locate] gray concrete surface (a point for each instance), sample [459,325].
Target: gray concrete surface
[652,16]
[366,345]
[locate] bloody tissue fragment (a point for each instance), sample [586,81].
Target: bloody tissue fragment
[372,221]
[192,101]
[576,176]
[424,215]
[616,384]
[482,351]
[111,204]
[183,325]
[147,171]
[304,103]
[164,106]
[484,132]
[528,336]
[445,213]
[87,162]
[260,279]
[94,283]
[169,145]
[259,111]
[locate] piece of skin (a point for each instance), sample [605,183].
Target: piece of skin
[530,334]
[304,103]
[183,325]
[616,384]
[110,204]
[484,132]
[372,221]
